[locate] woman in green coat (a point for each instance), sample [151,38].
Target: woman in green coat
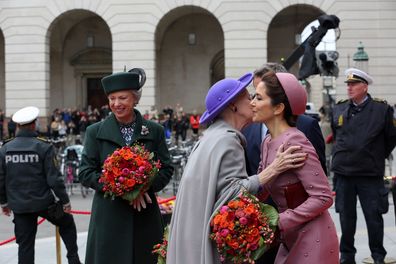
[120,232]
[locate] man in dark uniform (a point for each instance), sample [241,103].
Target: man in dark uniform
[28,176]
[365,135]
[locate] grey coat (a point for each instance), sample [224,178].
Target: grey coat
[214,174]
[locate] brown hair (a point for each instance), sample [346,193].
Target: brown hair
[269,66]
[278,96]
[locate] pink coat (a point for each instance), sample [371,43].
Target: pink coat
[308,231]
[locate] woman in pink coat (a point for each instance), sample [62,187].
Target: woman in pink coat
[307,232]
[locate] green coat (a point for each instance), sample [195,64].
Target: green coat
[119,234]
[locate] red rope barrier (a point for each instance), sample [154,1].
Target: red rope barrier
[14,238]
[7,241]
[166,200]
[160,201]
[80,212]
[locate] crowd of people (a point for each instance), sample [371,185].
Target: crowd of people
[71,123]
[280,159]
[175,121]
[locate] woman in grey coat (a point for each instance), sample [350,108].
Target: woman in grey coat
[216,172]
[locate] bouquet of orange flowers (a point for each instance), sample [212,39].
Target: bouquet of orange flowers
[244,229]
[128,171]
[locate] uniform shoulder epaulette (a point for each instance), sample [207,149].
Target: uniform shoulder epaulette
[342,101]
[43,139]
[7,140]
[379,100]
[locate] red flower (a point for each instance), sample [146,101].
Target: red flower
[160,249]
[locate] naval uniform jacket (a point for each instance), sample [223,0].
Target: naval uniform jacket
[28,173]
[118,233]
[364,135]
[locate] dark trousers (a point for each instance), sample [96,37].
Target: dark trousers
[373,198]
[184,134]
[26,229]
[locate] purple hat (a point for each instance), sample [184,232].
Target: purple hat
[295,93]
[221,94]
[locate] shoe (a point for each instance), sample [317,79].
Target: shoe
[347,261]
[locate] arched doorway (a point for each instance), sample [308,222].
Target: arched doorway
[189,51]
[285,30]
[80,55]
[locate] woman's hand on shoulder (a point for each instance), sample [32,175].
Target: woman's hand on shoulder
[291,158]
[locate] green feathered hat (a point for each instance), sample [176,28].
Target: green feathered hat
[132,80]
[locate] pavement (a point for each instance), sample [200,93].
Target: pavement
[45,249]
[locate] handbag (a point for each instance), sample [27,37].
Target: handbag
[55,210]
[295,194]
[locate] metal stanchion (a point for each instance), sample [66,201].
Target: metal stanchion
[58,247]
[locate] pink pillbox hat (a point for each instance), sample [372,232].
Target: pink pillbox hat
[295,93]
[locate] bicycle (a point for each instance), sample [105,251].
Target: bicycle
[70,166]
[70,173]
[179,157]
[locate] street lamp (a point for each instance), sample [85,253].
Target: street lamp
[361,58]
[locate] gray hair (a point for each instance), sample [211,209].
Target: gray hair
[138,94]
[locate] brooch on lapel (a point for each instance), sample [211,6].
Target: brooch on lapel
[145,130]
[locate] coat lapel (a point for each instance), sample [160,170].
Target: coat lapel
[110,131]
[138,127]
[138,135]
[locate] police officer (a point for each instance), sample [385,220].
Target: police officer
[28,179]
[365,136]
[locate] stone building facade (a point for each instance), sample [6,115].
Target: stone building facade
[54,52]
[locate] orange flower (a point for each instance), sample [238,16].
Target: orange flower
[217,219]
[223,222]
[233,204]
[231,225]
[233,244]
[250,209]
[253,235]
[130,182]
[116,171]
